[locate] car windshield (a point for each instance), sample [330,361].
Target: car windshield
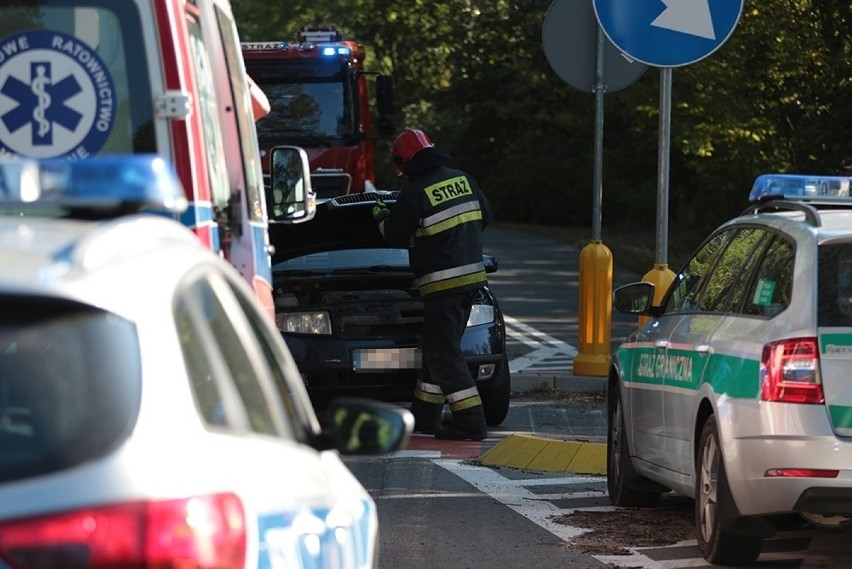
[348,259]
[310,101]
[304,110]
[70,379]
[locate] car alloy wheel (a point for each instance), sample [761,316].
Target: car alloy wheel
[718,545]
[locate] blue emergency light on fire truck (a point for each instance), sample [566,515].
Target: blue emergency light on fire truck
[320,100]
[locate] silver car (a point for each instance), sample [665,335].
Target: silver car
[150,412]
[737,389]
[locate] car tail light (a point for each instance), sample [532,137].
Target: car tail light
[790,372]
[800,473]
[193,533]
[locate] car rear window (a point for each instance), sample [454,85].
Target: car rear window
[835,285]
[70,383]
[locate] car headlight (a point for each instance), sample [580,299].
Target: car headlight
[304,322]
[480,314]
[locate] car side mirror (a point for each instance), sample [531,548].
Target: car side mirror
[290,198]
[634,298]
[366,427]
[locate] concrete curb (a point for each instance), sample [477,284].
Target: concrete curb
[547,455]
[523,381]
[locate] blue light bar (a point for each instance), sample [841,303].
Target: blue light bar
[332,50]
[135,183]
[799,186]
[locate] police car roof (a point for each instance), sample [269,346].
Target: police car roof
[101,261]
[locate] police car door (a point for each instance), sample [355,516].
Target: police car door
[680,360]
[643,411]
[697,366]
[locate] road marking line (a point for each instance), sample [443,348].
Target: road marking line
[514,496]
[521,337]
[557,354]
[530,331]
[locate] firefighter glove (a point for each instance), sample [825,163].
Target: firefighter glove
[380,210]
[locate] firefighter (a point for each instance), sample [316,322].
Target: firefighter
[440,216]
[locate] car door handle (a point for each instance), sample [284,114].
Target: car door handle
[661,343]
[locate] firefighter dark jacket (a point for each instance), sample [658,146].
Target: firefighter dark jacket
[440,216]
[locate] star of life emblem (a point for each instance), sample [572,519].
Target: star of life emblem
[57,97]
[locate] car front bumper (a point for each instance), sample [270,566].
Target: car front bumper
[328,364]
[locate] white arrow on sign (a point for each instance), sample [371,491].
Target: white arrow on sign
[688,17]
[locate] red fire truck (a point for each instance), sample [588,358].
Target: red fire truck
[319,100]
[92,77]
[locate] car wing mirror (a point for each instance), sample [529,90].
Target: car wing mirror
[359,426]
[290,198]
[635,298]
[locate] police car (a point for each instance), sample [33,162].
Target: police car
[737,391]
[150,414]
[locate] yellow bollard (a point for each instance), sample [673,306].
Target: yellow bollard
[661,277]
[594,310]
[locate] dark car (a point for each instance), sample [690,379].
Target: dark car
[350,314]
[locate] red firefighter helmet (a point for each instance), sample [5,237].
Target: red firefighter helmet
[409,142]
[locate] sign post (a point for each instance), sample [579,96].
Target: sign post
[581,56]
[666,34]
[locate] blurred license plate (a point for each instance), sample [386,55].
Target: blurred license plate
[387,358]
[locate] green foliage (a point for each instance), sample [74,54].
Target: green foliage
[473,74]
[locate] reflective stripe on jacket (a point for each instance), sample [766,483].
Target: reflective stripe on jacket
[440,216]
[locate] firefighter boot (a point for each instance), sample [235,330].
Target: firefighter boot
[427,416]
[467,425]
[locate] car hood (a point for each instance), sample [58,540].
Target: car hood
[345,222]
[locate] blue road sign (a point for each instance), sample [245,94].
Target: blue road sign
[668,33]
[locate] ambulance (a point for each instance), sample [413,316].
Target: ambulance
[84,78]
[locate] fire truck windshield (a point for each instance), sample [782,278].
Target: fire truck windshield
[313,109]
[311,101]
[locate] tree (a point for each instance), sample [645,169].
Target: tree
[472,73]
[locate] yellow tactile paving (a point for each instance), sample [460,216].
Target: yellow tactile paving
[549,455]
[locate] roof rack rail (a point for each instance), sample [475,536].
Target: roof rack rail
[775,204]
